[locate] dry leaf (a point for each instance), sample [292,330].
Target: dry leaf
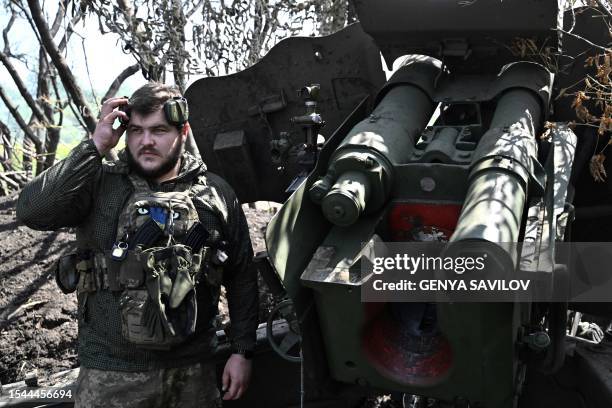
[561,93]
[605,122]
[545,135]
[581,111]
[599,99]
[590,61]
[604,70]
[596,167]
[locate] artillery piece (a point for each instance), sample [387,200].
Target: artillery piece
[448,149]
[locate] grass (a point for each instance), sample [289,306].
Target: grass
[63,149]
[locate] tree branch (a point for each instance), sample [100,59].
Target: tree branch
[19,119]
[189,13]
[27,16]
[6,30]
[42,93]
[57,21]
[68,33]
[91,87]
[585,40]
[40,115]
[59,105]
[60,63]
[5,58]
[605,7]
[5,139]
[116,84]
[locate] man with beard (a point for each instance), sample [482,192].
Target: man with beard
[156,235]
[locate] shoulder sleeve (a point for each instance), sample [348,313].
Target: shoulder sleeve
[61,196]
[240,278]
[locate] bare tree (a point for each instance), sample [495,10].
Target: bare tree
[56,86]
[7,148]
[187,37]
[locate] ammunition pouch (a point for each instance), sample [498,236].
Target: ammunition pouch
[97,271]
[66,273]
[213,261]
[163,313]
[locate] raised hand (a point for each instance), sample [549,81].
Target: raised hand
[105,137]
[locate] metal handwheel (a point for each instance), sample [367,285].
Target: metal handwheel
[292,338]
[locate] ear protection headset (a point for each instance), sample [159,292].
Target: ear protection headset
[176,111]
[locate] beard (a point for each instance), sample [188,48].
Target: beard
[151,174]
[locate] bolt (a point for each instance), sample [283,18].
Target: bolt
[428,184]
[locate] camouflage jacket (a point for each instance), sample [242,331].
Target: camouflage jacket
[83,192]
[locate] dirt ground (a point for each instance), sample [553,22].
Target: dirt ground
[38,326]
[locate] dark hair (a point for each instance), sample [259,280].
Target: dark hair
[152,96]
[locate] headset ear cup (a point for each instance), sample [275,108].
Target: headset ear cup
[168,111]
[184,110]
[127,109]
[176,111]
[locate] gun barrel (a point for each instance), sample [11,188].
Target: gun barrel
[361,169]
[499,178]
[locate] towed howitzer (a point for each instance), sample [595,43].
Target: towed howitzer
[389,180]
[447,150]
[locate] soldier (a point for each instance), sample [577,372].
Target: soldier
[156,234]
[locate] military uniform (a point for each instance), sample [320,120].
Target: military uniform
[83,192]
[191,386]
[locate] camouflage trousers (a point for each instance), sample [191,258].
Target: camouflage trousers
[192,386]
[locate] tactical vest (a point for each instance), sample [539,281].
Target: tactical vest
[156,262]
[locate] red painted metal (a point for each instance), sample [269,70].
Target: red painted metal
[405,218]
